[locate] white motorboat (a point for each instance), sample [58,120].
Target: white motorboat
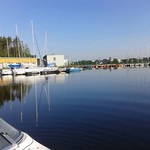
[6,72]
[32,71]
[20,71]
[48,69]
[13,139]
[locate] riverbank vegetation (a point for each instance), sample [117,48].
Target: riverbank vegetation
[13,47]
[113,61]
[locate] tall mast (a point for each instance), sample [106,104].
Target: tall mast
[46,42]
[33,49]
[7,47]
[17,41]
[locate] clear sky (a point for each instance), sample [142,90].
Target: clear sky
[81,29]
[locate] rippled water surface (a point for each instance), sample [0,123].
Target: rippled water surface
[92,109]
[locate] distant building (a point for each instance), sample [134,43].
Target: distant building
[66,62]
[111,59]
[114,59]
[119,60]
[53,59]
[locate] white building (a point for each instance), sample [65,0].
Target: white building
[58,60]
[112,59]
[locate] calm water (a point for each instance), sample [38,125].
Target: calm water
[93,109]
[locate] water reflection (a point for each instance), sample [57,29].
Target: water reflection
[88,110]
[138,75]
[18,88]
[12,89]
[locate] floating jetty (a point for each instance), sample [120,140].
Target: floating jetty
[102,66]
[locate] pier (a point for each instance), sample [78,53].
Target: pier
[102,66]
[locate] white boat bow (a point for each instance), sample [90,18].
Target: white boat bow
[13,139]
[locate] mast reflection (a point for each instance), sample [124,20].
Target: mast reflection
[14,88]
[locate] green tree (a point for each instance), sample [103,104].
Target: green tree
[115,61]
[13,48]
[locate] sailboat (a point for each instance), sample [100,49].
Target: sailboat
[14,68]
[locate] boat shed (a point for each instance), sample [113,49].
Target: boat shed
[25,62]
[58,60]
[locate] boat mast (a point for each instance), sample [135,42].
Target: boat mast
[45,48]
[17,41]
[45,43]
[7,47]
[33,49]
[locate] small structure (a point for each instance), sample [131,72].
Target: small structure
[58,60]
[24,61]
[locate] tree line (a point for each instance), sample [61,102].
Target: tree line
[13,47]
[114,61]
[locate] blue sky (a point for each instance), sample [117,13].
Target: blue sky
[81,29]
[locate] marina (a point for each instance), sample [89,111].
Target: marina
[82,110]
[35,70]
[76,77]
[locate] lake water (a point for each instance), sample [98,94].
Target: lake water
[89,110]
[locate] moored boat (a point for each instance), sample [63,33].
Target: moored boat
[73,69]
[49,70]
[19,71]
[32,71]
[14,65]
[6,72]
[62,69]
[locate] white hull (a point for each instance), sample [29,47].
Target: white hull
[20,71]
[23,71]
[32,70]
[14,139]
[51,68]
[27,143]
[6,72]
